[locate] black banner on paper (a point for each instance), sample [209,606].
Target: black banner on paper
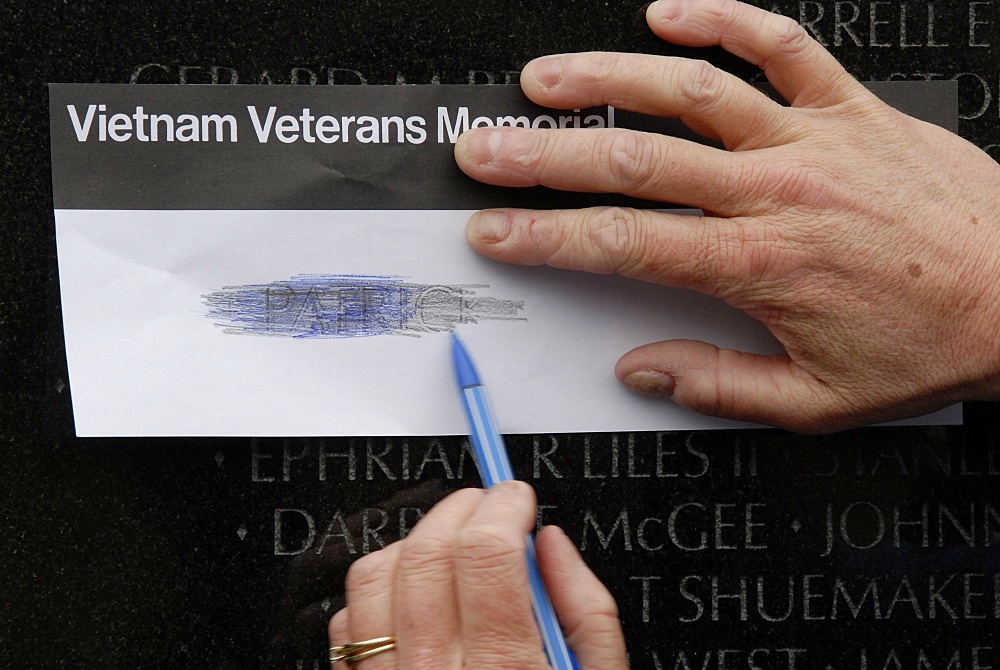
[291,147]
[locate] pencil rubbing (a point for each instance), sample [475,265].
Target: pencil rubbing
[338,306]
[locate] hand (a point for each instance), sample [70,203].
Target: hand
[455,593]
[866,241]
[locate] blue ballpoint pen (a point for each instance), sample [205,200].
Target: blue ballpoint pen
[494,467]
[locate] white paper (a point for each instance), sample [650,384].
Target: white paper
[146,358]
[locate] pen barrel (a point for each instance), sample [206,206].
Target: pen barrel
[494,467]
[487,443]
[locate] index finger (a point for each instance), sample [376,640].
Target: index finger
[614,160]
[708,100]
[424,584]
[491,580]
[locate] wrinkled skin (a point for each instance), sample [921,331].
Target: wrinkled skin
[454,592]
[866,241]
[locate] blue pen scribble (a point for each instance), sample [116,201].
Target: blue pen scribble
[338,306]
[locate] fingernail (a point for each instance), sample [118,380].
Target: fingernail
[668,10]
[482,146]
[491,226]
[650,382]
[547,71]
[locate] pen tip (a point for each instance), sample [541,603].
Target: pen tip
[465,371]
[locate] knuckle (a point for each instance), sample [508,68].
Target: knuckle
[806,186]
[789,37]
[485,549]
[424,555]
[532,150]
[792,182]
[618,236]
[631,157]
[708,398]
[603,611]
[700,84]
[723,398]
[749,266]
[542,234]
[760,255]
[365,572]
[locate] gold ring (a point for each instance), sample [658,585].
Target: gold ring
[353,653]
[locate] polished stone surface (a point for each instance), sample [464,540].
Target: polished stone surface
[876,549]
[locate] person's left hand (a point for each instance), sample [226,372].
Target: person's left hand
[454,593]
[866,241]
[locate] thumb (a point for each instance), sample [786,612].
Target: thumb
[728,383]
[586,610]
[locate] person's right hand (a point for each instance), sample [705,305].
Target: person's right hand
[866,241]
[454,593]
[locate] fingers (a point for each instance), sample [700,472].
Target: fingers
[369,604]
[424,585]
[801,70]
[339,631]
[455,592]
[491,579]
[679,250]
[707,99]
[644,165]
[727,383]
[586,610]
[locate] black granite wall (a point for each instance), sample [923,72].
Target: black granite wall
[871,550]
